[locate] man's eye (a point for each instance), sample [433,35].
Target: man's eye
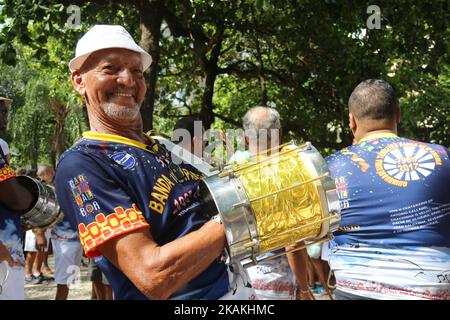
[138,73]
[108,68]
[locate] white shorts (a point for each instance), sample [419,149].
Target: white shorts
[68,255]
[14,286]
[30,240]
[325,250]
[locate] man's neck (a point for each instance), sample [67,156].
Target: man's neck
[131,130]
[372,132]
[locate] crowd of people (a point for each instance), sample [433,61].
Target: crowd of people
[137,214]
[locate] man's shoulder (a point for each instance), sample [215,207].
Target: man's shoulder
[339,155]
[73,154]
[81,157]
[436,147]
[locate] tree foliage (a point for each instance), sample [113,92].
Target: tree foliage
[217,59]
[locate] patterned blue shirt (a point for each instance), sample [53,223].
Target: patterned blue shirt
[393,241]
[109,185]
[11,233]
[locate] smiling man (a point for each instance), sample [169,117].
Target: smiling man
[136,211]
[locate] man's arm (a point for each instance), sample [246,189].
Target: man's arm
[159,271]
[15,196]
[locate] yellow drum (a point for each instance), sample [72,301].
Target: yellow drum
[273,202]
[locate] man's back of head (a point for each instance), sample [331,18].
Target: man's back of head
[373,100]
[262,129]
[258,118]
[373,107]
[188,133]
[186,123]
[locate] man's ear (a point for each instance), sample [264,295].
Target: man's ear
[352,122]
[78,82]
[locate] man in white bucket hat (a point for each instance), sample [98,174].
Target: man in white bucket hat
[137,213]
[106,37]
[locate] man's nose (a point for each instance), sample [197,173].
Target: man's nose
[125,77]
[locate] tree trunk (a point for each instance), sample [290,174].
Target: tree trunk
[207,114]
[60,111]
[211,70]
[150,25]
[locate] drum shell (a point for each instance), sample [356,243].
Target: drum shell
[326,189]
[219,196]
[45,211]
[233,204]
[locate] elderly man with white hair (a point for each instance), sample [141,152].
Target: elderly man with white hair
[137,212]
[279,278]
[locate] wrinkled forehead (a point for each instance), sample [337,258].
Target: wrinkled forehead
[116,56]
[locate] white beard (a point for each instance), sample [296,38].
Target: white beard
[119,112]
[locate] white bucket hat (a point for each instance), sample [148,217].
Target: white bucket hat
[104,37]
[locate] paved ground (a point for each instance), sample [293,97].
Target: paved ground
[46,291]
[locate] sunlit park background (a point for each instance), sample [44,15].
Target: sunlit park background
[216,59]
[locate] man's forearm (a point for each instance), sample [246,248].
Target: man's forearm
[187,257]
[159,271]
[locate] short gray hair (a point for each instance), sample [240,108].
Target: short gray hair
[44,168]
[258,118]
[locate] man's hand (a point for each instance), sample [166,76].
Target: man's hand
[5,255]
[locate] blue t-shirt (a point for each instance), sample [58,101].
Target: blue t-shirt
[109,185]
[11,233]
[394,237]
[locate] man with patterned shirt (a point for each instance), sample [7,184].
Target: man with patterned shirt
[136,211]
[394,238]
[14,200]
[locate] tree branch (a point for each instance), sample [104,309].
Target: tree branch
[227,119]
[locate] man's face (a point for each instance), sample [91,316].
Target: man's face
[3,116]
[113,84]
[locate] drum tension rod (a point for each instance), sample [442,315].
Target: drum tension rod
[252,164]
[306,146]
[322,240]
[276,162]
[246,203]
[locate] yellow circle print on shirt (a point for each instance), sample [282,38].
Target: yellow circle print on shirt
[402,162]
